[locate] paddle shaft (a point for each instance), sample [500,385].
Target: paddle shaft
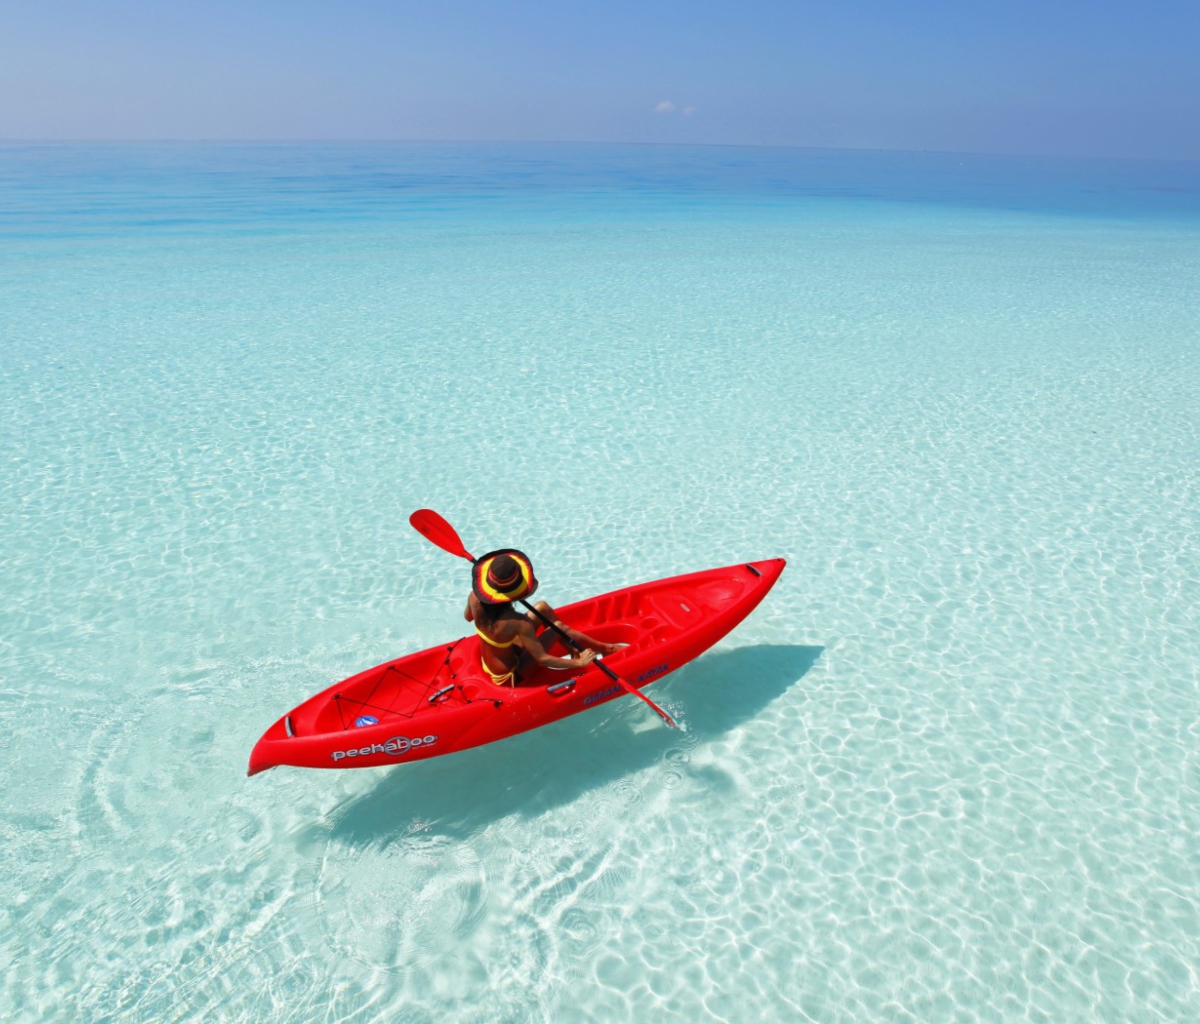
[600,665]
[571,643]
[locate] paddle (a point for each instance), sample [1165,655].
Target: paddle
[434,528]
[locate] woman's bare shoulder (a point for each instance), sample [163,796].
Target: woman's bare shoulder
[515,626]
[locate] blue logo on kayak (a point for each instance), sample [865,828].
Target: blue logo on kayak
[396,746]
[362,720]
[599,695]
[650,673]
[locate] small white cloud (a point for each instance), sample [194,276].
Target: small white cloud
[688,111]
[665,107]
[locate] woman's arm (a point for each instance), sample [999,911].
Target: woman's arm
[528,641]
[584,641]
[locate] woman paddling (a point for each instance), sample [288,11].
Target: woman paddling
[509,641]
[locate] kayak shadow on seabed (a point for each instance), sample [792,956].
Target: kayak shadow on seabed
[554,765]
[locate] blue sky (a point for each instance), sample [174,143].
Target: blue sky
[1071,78]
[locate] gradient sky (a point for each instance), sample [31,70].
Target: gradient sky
[1071,78]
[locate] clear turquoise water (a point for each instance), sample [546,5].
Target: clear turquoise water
[948,771]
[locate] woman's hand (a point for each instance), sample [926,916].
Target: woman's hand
[585,658]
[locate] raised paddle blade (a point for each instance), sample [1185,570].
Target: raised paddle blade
[434,528]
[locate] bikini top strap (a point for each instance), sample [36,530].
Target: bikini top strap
[493,643]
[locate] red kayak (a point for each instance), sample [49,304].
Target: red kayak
[439,701]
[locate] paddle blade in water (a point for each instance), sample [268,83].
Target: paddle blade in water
[434,528]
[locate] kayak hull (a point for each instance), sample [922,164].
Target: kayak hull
[439,701]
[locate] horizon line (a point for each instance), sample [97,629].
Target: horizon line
[368,140]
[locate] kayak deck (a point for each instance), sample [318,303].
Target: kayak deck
[441,700]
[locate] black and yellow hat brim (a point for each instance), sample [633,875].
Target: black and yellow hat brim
[523,586]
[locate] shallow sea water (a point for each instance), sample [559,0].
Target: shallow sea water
[949,770]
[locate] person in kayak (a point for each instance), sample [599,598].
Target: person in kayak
[510,643]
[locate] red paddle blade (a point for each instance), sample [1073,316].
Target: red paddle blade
[434,528]
[667,719]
